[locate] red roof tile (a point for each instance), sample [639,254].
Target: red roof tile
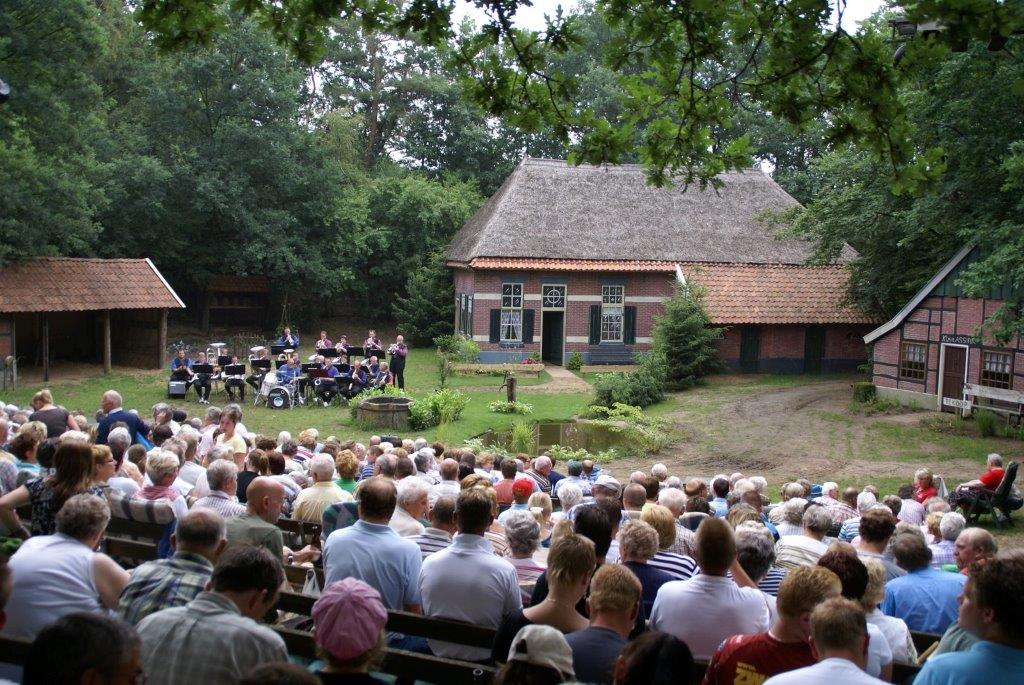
[571,264]
[775,293]
[61,284]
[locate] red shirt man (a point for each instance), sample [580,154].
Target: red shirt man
[786,646]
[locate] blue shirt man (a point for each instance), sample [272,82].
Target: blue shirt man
[925,598]
[288,339]
[289,372]
[111,404]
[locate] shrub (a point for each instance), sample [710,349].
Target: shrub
[520,437]
[575,362]
[510,407]
[457,349]
[642,433]
[441,406]
[988,423]
[640,388]
[864,392]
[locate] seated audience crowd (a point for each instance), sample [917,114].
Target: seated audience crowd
[579,576]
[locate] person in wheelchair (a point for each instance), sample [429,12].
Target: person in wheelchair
[326,389]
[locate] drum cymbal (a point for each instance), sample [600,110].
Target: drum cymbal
[218,345]
[258,348]
[288,350]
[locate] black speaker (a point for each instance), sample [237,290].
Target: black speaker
[176,390]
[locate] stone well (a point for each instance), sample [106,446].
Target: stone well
[385,411]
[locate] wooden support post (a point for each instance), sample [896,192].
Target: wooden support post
[106,341]
[162,339]
[46,348]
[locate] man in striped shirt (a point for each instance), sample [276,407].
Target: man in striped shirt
[442,527]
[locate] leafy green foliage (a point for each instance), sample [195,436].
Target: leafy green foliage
[510,407]
[575,362]
[685,342]
[641,433]
[521,438]
[640,388]
[864,391]
[428,309]
[442,406]
[987,422]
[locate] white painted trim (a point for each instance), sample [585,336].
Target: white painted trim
[680,276]
[487,296]
[657,299]
[577,339]
[164,281]
[481,338]
[644,341]
[583,298]
[917,299]
[942,371]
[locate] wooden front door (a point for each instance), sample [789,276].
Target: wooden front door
[750,349]
[814,348]
[953,367]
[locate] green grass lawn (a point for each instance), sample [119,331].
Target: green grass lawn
[142,389]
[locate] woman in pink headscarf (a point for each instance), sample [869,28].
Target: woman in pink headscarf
[349,623]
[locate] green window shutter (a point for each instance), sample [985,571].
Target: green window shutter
[629,326]
[495,325]
[595,324]
[528,326]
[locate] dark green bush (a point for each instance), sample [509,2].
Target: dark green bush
[988,423]
[575,362]
[640,388]
[864,392]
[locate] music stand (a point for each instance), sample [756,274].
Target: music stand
[329,353]
[355,352]
[306,368]
[260,365]
[223,360]
[342,368]
[202,368]
[318,373]
[276,350]
[235,370]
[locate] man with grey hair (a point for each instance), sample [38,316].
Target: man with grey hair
[55,575]
[198,540]
[110,403]
[777,515]
[386,465]
[539,473]
[449,485]
[438,534]
[413,502]
[211,422]
[222,479]
[311,502]
[950,527]
[218,453]
[755,552]
[675,501]
[829,494]
[660,471]
[792,551]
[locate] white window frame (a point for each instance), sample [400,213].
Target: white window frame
[543,296]
[511,328]
[613,313]
[466,315]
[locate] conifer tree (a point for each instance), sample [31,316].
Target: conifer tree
[428,308]
[684,340]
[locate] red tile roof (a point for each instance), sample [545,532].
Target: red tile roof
[775,293]
[734,293]
[570,264]
[61,284]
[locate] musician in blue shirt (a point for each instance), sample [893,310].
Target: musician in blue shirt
[374,366]
[327,388]
[288,339]
[181,366]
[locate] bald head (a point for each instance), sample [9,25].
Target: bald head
[973,545]
[449,469]
[265,498]
[634,497]
[200,531]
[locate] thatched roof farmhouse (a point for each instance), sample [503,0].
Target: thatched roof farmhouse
[569,259]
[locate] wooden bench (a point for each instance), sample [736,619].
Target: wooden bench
[129,528]
[134,551]
[900,672]
[305,530]
[922,641]
[610,354]
[448,630]
[999,400]
[403,664]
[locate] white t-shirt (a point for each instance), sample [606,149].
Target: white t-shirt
[724,608]
[831,671]
[793,551]
[879,652]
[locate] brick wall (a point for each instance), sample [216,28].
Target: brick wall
[934,317]
[781,348]
[6,337]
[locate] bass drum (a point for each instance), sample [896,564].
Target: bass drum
[279,398]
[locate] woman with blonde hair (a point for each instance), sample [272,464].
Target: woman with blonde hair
[895,630]
[73,462]
[924,485]
[56,419]
[541,506]
[664,523]
[104,466]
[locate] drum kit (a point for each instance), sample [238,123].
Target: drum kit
[276,393]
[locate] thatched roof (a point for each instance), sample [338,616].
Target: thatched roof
[549,209]
[65,284]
